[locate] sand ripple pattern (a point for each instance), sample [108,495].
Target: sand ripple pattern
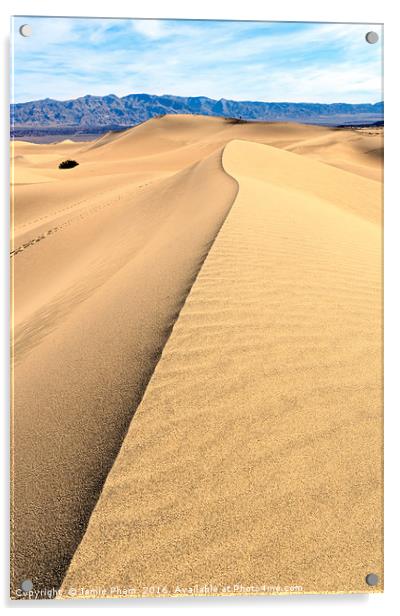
[255,456]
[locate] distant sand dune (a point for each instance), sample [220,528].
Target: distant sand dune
[272,369]
[349,150]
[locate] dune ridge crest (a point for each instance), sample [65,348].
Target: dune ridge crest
[248,450]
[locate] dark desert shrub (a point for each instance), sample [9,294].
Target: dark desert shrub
[238,120]
[68,164]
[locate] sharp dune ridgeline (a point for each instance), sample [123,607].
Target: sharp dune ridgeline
[197,341]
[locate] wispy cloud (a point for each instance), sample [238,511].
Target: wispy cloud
[67,57]
[150,28]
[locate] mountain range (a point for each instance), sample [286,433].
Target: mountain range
[97,114]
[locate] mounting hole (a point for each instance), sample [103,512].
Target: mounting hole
[26,585]
[372,37]
[372,579]
[25,30]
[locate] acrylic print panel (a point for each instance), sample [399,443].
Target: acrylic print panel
[196,252]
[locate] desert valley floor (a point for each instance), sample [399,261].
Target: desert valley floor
[197,358]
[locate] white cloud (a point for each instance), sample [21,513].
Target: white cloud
[150,28]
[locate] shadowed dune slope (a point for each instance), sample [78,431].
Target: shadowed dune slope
[94,302]
[255,455]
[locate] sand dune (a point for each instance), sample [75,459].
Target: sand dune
[358,151]
[95,303]
[244,448]
[252,457]
[167,143]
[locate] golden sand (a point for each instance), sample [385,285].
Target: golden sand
[254,458]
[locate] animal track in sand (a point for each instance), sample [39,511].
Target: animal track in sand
[65,224]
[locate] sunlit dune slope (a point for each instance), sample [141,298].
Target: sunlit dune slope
[255,455]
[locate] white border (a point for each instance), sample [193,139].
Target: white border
[366,11]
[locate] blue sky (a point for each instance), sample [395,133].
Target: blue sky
[70,57]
